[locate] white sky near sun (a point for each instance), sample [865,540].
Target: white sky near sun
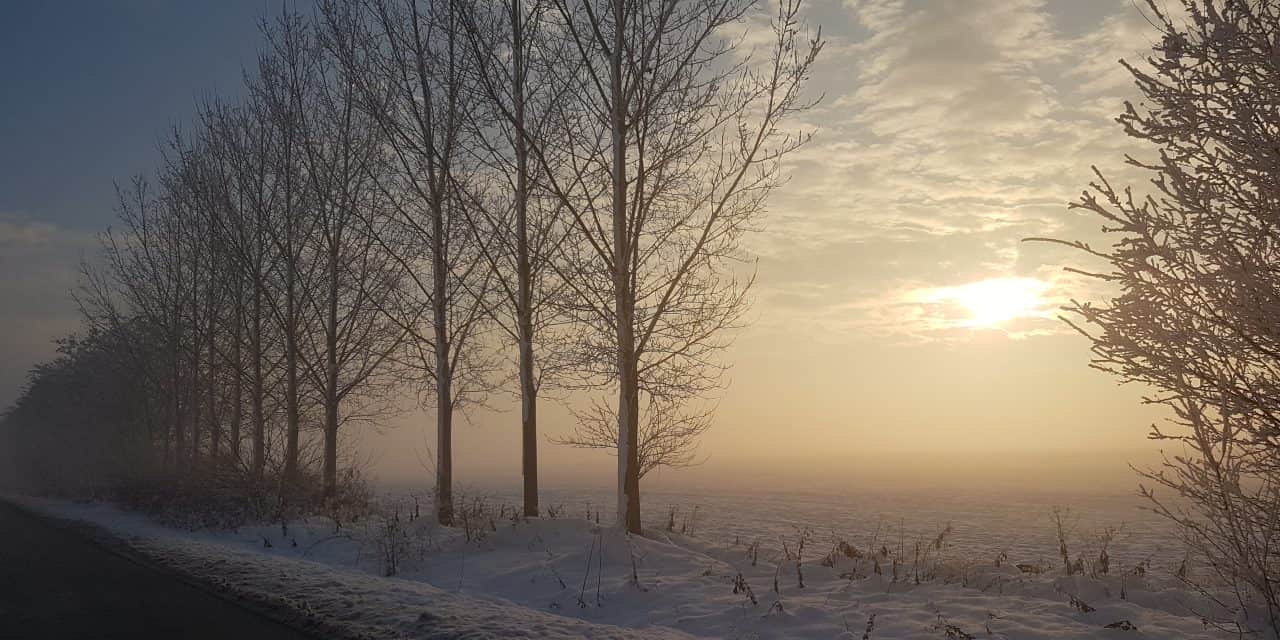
[901,329]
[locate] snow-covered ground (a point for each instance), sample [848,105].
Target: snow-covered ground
[984,523]
[732,576]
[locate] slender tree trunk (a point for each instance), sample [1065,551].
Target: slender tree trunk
[291,322]
[628,396]
[259,420]
[168,440]
[171,430]
[331,446]
[176,355]
[291,381]
[331,377]
[444,372]
[237,381]
[529,427]
[628,419]
[197,413]
[524,305]
[444,443]
[211,389]
[179,409]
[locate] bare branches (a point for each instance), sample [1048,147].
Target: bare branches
[669,432]
[673,142]
[1194,268]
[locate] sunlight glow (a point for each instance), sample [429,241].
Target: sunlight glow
[994,302]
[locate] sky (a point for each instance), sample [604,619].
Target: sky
[902,331]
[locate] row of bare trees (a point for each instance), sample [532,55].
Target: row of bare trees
[446,195]
[254,253]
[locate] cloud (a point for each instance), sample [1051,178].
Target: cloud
[958,129]
[16,232]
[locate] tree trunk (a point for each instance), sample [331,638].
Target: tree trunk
[524,305]
[210,393]
[179,413]
[529,428]
[330,481]
[330,448]
[167,445]
[444,455]
[444,374]
[237,381]
[291,322]
[629,423]
[197,414]
[291,383]
[259,420]
[628,397]
[171,425]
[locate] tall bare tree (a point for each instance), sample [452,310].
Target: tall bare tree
[410,63]
[192,179]
[676,145]
[518,225]
[241,139]
[141,279]
[285,73]
[351,340]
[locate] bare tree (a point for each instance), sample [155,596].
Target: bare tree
[1195,268]
[285,74]
[242,139]
[409,61]
[192,182]
[347,349]
[519,227]
[166,270]
[674,145]
[141,279]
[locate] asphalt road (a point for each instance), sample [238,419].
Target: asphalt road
[57,584]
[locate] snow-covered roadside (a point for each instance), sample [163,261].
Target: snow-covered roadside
[324,592]
[565,578]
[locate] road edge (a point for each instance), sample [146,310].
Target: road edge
[278,610]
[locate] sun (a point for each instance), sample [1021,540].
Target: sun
[996,301]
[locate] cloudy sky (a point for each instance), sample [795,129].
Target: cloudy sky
[901,328]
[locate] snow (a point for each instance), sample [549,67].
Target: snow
[567,577]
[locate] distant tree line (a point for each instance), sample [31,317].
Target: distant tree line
[449,198]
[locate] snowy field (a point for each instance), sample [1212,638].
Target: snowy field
[983,523]
[739,570]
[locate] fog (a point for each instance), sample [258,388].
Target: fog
[990,412]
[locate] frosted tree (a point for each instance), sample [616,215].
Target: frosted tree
[673,144]
[1196,265]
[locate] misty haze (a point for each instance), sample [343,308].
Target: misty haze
[758,319]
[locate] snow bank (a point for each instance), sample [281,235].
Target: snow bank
[324,592]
